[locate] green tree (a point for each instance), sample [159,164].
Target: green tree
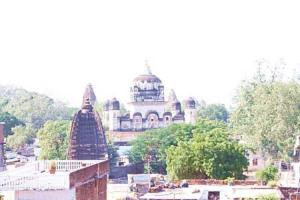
[54,138]
[266,114]
[22,135]
[154,143]
[209,154]
[214,112]
[10,122]
[269,173]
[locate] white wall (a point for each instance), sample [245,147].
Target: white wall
[45,195]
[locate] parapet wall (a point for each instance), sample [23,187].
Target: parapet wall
[90,183]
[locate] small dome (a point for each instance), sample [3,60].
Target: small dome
[114,104]
[190,103]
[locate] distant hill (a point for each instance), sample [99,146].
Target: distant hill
[31,107]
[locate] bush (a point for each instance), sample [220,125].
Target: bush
[268,197]
[269,173]
[272,184]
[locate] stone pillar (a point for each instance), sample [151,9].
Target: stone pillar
[2,155]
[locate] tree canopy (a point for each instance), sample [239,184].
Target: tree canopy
[266,114]
[209,154]
[32,108]
[177,150]
[54,138]
[214,112]
[10,122]
[22,135]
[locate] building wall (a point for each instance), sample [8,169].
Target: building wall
[144,107]
[90,183]
[45,195]
[256,161]
[190,115]
[94,190]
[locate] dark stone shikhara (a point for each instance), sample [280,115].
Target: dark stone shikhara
[87,138]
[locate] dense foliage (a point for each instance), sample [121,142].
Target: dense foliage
[53,139]
[32,108]
[209,154]
[153,143]
[189,151]
[214,112]
[10,122]
[25,112]
[267,114]
[22,135]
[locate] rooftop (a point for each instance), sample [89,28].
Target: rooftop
[35,175]
[201,191]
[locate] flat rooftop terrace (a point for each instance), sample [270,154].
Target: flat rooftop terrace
[35,175]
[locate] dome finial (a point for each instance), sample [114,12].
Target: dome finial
[148,69]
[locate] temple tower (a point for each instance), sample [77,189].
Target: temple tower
[87,138]
[190,111]
[174,104]
[2,154]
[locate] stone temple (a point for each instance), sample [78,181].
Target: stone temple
[147,107]
[87,138]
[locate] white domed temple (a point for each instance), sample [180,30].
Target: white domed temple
[148,108]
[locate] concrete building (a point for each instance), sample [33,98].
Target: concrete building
[73,179]
[147,107]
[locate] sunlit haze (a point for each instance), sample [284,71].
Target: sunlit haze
[202,49]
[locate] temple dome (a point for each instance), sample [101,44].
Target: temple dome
[150,78]
[147,87]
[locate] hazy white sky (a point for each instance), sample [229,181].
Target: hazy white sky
[198,48]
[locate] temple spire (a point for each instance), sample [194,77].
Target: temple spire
[89,94]
[148,69]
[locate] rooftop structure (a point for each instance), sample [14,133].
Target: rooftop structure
[84,179]
[87,138]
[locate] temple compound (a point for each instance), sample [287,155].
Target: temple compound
[148,108]
[87,138]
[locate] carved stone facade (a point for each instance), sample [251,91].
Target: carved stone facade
[87,138]
[148,108]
